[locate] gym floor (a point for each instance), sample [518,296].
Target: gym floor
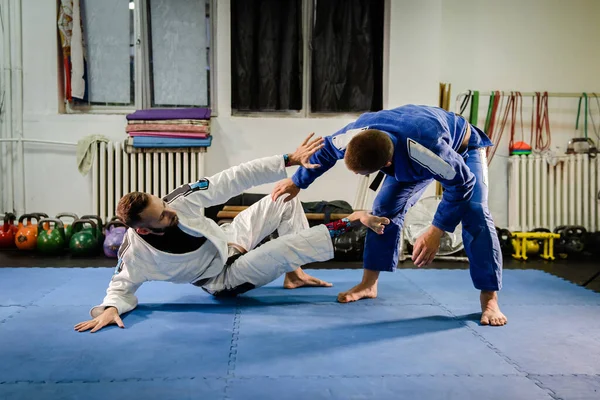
[420,339]
[580,272]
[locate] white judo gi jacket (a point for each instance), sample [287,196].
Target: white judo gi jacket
[139,262]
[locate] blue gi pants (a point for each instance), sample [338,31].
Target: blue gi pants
[479,232]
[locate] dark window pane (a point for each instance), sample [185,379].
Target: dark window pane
[347,56]
[266,55]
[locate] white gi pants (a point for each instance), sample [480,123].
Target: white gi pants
[296,245]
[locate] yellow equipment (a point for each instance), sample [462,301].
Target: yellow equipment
[527,242]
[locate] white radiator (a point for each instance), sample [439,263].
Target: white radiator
[545,196]
[116,173]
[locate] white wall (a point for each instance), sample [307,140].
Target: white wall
[535,44]
[524,45]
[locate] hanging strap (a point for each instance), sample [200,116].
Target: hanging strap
[585,112]
[517,101]
[488,118]
[596,130]
[465,103]
[510,106]
[473,114]
[497,104]
[542,142]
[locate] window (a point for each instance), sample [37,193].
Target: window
[142,54]
[307,56]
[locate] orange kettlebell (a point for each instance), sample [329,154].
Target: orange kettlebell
[26,238]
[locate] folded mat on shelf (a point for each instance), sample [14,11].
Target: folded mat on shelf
[168,128]
[188,135]
[142,141]
[170,121]
[129,149]
[170,113]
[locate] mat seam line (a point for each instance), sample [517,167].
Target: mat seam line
[251,377]
[23,307]
[481,338]
[231,363]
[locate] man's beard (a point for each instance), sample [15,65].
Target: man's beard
[162,231]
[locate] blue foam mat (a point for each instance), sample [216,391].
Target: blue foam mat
[302,341]
[389,388]
[147,390]
[574,387]
[419,339]
[529,287]
[548,339]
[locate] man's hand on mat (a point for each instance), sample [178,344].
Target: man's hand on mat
[303,153]
[108,317]
[426,246]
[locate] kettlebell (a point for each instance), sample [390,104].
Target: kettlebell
[51,240]
[39,216]
[68,228]
[7,231]
[99,227]
[26,237]
[84,241]
[115,232]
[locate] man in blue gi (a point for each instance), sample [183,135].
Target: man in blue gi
[414,145]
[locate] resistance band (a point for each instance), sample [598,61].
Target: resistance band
[473,114]
[585,112]
[542,122]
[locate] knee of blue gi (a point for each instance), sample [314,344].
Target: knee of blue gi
[476,214]
[381,251]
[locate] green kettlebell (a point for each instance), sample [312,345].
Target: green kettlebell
[68,227]
[99,227]
[40,215]
[84,241]
[51,240]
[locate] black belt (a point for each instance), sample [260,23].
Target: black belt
[229,261]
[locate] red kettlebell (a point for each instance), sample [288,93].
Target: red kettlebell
[7,231]
[26,238]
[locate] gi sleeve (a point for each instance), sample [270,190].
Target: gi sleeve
[334,149]
[219,188]
[449,168]
[121,291]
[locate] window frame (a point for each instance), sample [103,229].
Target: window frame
[141,75]
[308,20]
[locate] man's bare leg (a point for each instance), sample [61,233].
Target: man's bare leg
[367,289]
[299,278]
[490,311]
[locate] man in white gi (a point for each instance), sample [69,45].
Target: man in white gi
[170,240]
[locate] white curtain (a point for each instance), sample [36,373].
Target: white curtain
[106,29]
[179,52]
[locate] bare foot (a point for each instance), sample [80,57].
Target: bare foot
[490,311]
[367,289]
[299,278]
[358,292]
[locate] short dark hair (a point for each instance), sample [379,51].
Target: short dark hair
[131,206]
[369,151]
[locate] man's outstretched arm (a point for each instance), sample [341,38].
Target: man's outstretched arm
[120,298]
[220,187]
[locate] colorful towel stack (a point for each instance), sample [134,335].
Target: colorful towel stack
[169,128]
